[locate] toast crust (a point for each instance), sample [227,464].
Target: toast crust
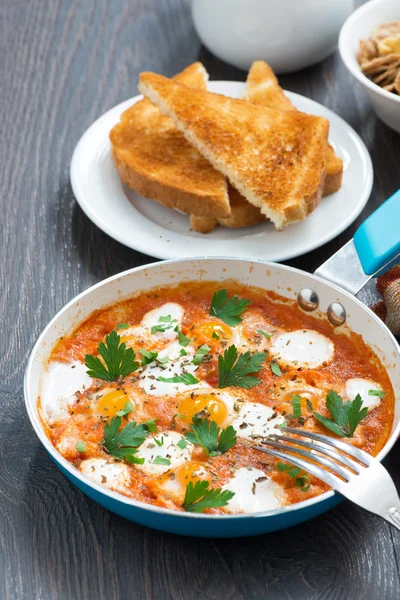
[153,158]
[253,146]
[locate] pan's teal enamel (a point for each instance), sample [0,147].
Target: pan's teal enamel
[268,276]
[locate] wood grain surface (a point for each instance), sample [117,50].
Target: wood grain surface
[62,64]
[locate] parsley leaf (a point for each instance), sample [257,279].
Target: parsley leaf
[119,361]
[183,352]
[130,458]
[200,354]
[199,496]
[182,444]
[186,378]
[160,460]
[228,309]
[122,326]
[296,402]
[264,333]
[151,425]
[236,370]
[148,357]
[379,393]
[346,416]
[127,409]
[205,433]
[302,481]
[122,443]
[182,339]
[164,324]
[81,446]
[215,335]
[275,368]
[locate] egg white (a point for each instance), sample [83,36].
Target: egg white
[177,365]
[113,475]
[362,386]
[256,420]
[58,387]
[254,492]
[169,449]
[303,348]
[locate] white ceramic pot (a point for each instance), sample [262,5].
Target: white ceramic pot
[357,27]
[288,34]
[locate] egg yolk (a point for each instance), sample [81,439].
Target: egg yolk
[111,403]
[191,471]
[214,408]
[220,331]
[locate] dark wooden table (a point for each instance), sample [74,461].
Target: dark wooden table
[62,64]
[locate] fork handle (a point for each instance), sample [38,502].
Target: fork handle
[393,516]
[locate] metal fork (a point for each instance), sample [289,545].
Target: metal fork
[361,478]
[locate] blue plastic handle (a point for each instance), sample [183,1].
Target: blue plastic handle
[377,240]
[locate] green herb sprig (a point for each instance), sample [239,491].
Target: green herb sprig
[208,435]
[345,415]
[236,370]
[199,497]
[118,360]
[228,309]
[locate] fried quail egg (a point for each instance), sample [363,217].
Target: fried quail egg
[363,387]
[163,452]
[254,492]
[174,483]
[303,348]
[216,405]
[59,385]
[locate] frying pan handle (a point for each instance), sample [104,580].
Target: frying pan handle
[373,250]
[377,240]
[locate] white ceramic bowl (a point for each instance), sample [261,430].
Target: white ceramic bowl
[288,34]
[357,27]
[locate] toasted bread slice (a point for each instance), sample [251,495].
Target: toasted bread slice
[263,88]
[276,159]
[243,214]
[154,158]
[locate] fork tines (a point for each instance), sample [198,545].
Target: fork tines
[340,468]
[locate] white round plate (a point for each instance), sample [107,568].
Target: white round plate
[153,229]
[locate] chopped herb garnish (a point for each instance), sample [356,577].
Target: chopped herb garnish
[148,357]
[121,443]
[296,402]
[345,416]
[127,409]
[151,425]
[122,326]
[130,458]
[186,378]
[275,368]
[163,361]
[209,436]
[182,339]
[199,496]
[309,405]
[164,324]
[183,352]
[215,335]
[302,481]
[264,333]
[182,444]
[228,309]
[160,460]
[81,446]
[200,354]
[119,361]
[379,393]
[236,370]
